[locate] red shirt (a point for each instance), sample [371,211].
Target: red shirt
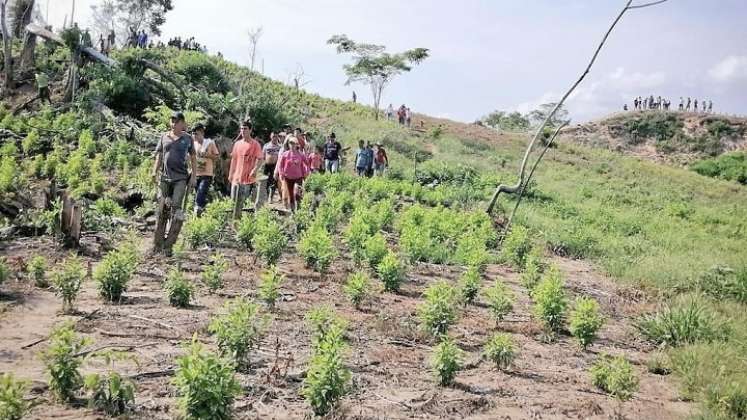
[244,157]
[315,161]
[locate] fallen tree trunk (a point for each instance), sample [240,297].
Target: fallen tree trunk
[42,32]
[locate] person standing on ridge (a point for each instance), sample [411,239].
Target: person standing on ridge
[173,151]
[246,159]
[207,153]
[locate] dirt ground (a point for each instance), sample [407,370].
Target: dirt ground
[388,355]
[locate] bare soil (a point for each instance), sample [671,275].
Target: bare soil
[388,354]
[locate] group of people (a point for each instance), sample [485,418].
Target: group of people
[403,114]
[256,172]
[659,103]
[138,39]
[188,44]
[107,44]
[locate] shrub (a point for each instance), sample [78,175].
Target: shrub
[437,313]
[615,376]
[67,280]
[500,299]
[269,239]
[327,377]
[212,274]
[114,272]
[245,231]
[723,282]
[111,393]
[501,350]
[61,363]
[375,249]
[31,144]
[269,286]
[316,248]
[221,211]
[532,272]
[37,270]
[727,400]
[729,166]
[516,246]
[391,271]
[238,330]
[550,301]
[206,384]
[472,251]
[659,364]
[4,271]
[446,361]
[9,174]
[585,321]
[469,284]
[12,404]
[355,236]
[356,288]
[686,321]
[199,231]
[321,320]
[179,290]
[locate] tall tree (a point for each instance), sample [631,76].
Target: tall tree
[501,120]
[126,15]
[104,18]
[374,66]
[7,49]
[557,118]
[254,35]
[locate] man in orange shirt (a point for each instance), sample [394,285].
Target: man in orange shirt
[246,159]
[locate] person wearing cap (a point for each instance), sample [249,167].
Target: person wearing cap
[381,160]
[332,150]
[173,151]
[291,170]
[246,159]
[207,153]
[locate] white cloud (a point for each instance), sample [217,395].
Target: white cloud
[732,68]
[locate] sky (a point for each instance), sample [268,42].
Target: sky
[485,55]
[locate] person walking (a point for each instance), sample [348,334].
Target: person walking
[314,159]
[174,150]
[381,160]
[207,153]
[271,152]
[332,150]
[42,85]
[369,159]
[246,159]
[291,170]
[389,112]
[687,105]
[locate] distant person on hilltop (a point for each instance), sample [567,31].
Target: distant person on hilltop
[625,107]
[389,112]
[355,97]
[635,104]
[695,105]
[401,114]
[408,117]
[687,105]
[710,106]
[682,104]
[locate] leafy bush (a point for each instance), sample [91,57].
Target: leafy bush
[31,144]
[615,376]
[469,284]
[516,246]
[585,321]
[245,230]
[221,211]
[316,248]
[61,363]
[238,330]
[269,286]
[212,274]
[375,249]
[438,312]
[38,268]
[500,299]
[9,174]
[321,320]
[659,364]
[179,290]
[114,272]
[356,288]
[355,235]
[111,393]
[686,321]
[501,350]
[4,271]
[723,282]
[391,271]
[729,166]
[206,384]
[327,377]
[532,272]
[472,251]
[550,301]
[657,125]
[67,280]
[12,404]
[199,231]
[727,400]
[269,239]
[446,361]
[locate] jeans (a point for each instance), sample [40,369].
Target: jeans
[360,171]
[332,166]
[241,192]
[170,209]
[173,192]
[201,192]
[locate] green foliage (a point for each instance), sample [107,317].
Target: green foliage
[31,144]
[446,361]
[269,286]
[179,290]
[517,246]
[238,330]
[658,125]
[722,282]
[501,350]
[316,248]
[375,249]
[117,90]
[111,394]
[658,363]
[727,400]
[469,284]
[199,231]
[67,280]
[532,272]
[585,321]
[37,268]
[436,132]
[438,312]
[615,376]
[501,120]
[356,235]
[245,230]
[729,166]
[4,271]
[99,216]
[269,239]
[12,391]
[356,288]
[206,384]
[114,272]
[327,377]
[200,72]
[500,300]
[550,300]
[212,274]
[61,362]
[687,320]
[10,175]
[322,320]
[221,211]
[391,271]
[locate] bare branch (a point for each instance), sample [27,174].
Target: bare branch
[641,6]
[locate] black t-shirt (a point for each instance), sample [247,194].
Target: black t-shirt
[332,150]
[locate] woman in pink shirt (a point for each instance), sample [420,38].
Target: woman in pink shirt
[291,170]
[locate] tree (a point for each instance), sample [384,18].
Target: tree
[504,121]
[126,15]
[254,35]
[373,66]
[20,16]
[540,114]
[104,18]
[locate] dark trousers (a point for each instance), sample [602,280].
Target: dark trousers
[201,192]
